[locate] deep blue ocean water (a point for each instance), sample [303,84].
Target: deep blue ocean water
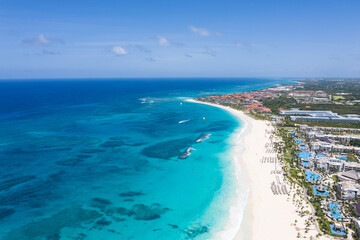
[98,159]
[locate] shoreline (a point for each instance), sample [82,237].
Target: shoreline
[233,226]
[265,215]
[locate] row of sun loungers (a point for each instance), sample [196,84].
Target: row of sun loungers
[279,189]
[269,144]
[268,159]
[271,150]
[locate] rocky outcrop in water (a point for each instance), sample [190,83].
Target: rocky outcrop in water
[50,227]
[14,181]
[130,194]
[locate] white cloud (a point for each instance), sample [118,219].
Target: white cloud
[209,51]
[200,31]
[118,50]
[41,40]
[163,41]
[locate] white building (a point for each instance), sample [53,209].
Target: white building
[348,189]
[350,175]
[329,163]
[351,166]
[324,146]
[357,225]
[342,138]
[309,115]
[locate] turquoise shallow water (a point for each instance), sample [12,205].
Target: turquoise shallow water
[100,159]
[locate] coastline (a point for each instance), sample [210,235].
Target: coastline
[265,215]
[236,210]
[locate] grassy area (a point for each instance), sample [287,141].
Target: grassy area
[352,158]
[295,173]
[336,98]
[288,157]
[317,206]
[335,178]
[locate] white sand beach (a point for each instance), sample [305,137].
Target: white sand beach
[269,215]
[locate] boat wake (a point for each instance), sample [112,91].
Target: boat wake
[184,121]
[146,100]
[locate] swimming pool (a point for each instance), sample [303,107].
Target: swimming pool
[333,231]
[298,141]
[304,155]
[335,211]
[310,176]
[342,158]
[319,155]
[321,194]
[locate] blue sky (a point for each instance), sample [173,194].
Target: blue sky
[139,38]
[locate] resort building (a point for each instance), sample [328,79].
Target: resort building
[325,146]
[305,115]
[351,166]
[341,138]
[357,224]
[302,93]
[336,129]
[348,189]
[356,207]
[351,175]
[329,164]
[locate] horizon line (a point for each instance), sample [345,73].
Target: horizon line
[168,78]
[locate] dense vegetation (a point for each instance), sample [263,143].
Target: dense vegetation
[282,102]
[336,86]
[329,124]
[287,103]
[340,109]
[355,142]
